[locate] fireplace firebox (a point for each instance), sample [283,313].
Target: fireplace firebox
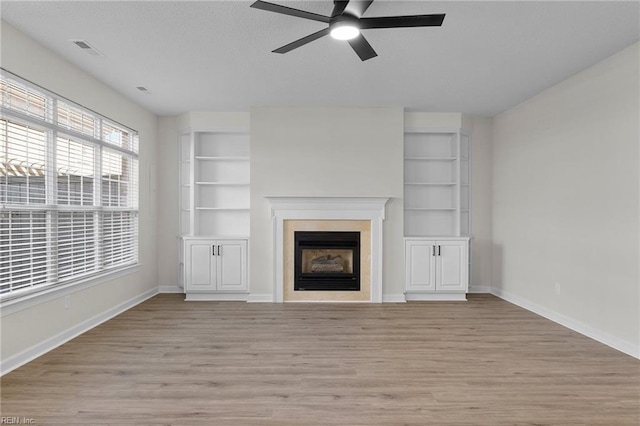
[327,261]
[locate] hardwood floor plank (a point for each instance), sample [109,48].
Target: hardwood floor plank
[483,362]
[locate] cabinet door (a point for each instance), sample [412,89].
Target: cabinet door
[420,265]
[200,266]
[452,266]
[232,265]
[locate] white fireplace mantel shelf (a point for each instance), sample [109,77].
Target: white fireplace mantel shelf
[328,208]
[371,206]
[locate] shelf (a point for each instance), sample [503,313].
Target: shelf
[224,208]
[443,237]
[204,158]
[431,183]
[430,158]
[446,209]
[224,183]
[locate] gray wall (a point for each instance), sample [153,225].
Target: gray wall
[325,152]
[27,330]
[565,202]
[481,132]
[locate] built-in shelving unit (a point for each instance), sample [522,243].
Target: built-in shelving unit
[214,214]
[436,184]
[437,214]
[215,184]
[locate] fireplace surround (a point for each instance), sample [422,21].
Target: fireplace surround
[363,214]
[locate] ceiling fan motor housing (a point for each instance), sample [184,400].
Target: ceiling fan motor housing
[344,19]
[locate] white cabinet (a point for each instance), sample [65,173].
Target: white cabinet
[215,269]
[436,269]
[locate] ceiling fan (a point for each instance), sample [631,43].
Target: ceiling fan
[345,23]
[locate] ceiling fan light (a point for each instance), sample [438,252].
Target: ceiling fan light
[345,32]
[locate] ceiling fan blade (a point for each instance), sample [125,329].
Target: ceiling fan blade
[301,42]
[358,7]
[270,7]
[339,7]
[362,47]
[402,21]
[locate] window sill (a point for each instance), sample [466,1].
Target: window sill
[30,300]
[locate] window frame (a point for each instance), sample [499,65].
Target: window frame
[57,207]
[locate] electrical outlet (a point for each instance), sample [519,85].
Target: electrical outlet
[67,301]
[557,285]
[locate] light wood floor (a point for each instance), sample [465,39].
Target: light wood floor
[483,362]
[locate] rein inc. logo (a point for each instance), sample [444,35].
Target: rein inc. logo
[6,420]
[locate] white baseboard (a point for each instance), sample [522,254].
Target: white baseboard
[260,298]
[436,297]
[393,298]
[170,289]
[570,323]
[45,346]
[216,297]
[268,298]
[479,289]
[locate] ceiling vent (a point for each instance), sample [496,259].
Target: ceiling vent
[82,44]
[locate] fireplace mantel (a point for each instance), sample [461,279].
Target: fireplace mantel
[328,208]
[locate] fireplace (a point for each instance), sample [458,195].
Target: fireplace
[326,261]
[364,215]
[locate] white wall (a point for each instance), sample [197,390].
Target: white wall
[325,152]
[30,331]
[565,202]
[481,131]
[168,218]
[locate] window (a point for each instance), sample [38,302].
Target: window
[68,191]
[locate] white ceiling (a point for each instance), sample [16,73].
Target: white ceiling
[216,55]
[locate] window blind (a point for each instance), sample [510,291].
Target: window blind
[68,190]
[24,149]
[75,172]
[119,229]
[20,97]
[25,242]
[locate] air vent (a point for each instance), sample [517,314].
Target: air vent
[82,44]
